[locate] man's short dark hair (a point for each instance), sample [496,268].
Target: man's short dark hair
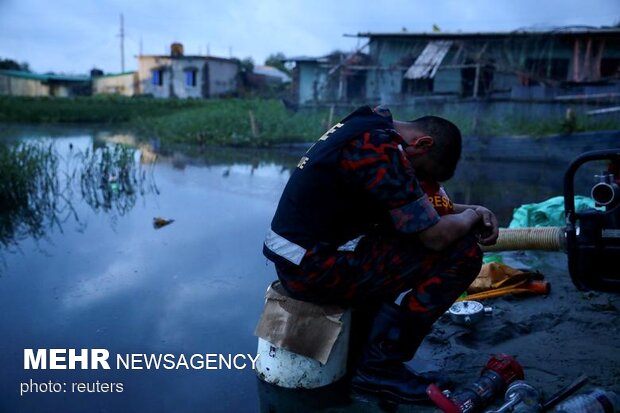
[446,149]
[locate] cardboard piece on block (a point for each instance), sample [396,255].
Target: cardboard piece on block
[298,326]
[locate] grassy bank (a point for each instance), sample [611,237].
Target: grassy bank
[236,122]
[264,122]
[108,109]
[244,122]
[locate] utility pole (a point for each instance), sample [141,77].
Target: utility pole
[122,36]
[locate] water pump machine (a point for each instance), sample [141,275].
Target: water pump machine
[593,235]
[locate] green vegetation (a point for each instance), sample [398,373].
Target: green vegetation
[111,179]
[237,122]
[264,122]
[277,60]
[98,109]
[37,192]
[29,191]
[10,64]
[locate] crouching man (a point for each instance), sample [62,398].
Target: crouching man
[354,227]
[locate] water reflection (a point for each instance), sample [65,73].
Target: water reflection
[195,286]
[111,179]
[38,186]
[274,399]
[41,184]
[336,397]
[31,193]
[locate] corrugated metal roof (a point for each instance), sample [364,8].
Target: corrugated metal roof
[190,57]
[116,74]
[321,59]
[560,31]
[426,64]
[272,72]
[44,77]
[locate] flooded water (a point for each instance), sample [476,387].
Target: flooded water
[97,274]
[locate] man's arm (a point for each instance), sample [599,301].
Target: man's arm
[376,162]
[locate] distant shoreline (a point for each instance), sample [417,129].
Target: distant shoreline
[250,122]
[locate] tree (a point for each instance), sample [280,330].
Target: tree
[277,60]
[247,65]
[9,64]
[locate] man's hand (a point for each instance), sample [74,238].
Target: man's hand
[450,228]
[490,230]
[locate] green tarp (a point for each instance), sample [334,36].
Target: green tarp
[549,213]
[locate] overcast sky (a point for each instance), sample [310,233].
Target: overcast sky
[73,36]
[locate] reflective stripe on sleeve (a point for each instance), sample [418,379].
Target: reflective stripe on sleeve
[284,248]
[350,245]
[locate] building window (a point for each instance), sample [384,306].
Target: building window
[157,77]
[483,86]
[190,77]
[546,69]
[417,86]
[610,67]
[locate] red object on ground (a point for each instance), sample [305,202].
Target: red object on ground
[499,372]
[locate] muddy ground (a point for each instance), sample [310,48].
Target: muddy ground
[556,338]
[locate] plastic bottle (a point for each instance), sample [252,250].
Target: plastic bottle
[595,401]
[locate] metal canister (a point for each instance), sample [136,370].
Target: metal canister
[520,398]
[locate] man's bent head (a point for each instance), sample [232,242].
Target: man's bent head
[434,146]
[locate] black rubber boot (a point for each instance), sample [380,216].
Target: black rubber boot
[393,340]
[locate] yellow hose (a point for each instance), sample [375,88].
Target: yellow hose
[543,238]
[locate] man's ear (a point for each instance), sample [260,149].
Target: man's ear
[423,143]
